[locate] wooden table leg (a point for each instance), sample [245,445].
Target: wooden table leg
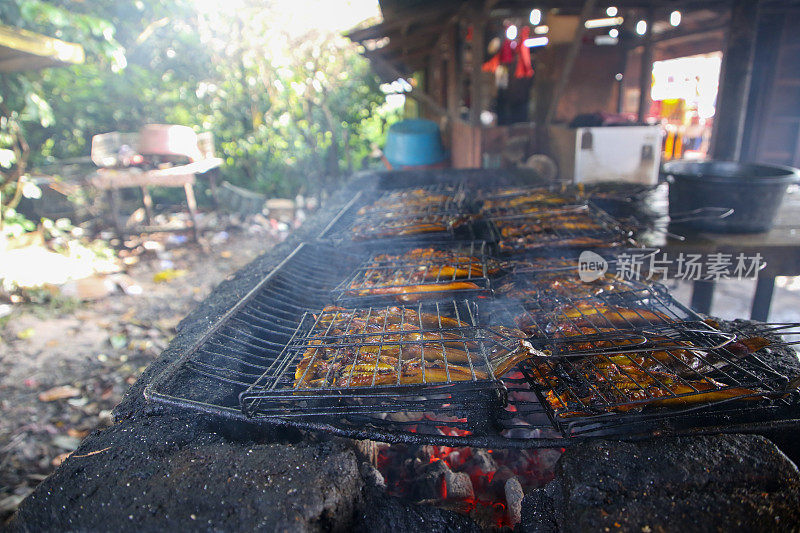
[112,195]
[702,295]
[192,203]
[212,185]
[762,300]
[147,200]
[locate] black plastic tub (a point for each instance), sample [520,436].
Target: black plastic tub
[753,191]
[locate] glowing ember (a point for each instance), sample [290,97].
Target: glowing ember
[487,485]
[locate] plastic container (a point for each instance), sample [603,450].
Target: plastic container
[412,143]
[753,191]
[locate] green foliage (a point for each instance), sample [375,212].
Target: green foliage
[288,113]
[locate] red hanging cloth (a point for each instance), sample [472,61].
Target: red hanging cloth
[524,68]
[506,52]
[492,64]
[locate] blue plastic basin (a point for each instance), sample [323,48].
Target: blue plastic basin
[413,143]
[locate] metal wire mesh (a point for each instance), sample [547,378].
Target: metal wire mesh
[415,214]
[383,357]
[438,271]
[587,227]
[595,352]
[520,196]
[610,355]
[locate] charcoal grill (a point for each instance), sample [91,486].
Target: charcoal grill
[240,354]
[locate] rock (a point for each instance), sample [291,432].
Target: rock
[381,513]
[59,393]
[90,288]
[537,514]
[173,467]
[725,482]
[66,442]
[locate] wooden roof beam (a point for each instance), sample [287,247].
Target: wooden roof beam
[25,50]
[414,93]
[396,23]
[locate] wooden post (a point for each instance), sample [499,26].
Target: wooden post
[646,72]
[765,287]
[192,203]
[624,50]
[702,295]
[112,195]
[452,69]
[212,185]
[476,87]
[734,86]
[569,63]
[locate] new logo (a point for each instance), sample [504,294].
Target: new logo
[591,266]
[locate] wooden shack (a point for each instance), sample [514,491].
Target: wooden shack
[587,66]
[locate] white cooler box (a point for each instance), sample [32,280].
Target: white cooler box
[613,153]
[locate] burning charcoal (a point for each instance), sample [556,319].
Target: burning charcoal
[497,487]
[430,482]
[435,481]
[514,497]
[372,475]
[456,459]
[458,486]
[480,467]
[426,453]
[481,460]
[404,416]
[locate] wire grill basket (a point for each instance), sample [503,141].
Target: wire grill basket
[412,215]
[639,354]
[586,227]
[440,271]
[378,359]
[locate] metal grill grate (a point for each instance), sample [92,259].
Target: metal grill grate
[247,341]
[249,345]
[587,227]
[550,287]
[438,271]
[518,196]
[429,199]
[403,216]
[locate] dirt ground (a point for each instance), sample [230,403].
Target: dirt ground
[65,365]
